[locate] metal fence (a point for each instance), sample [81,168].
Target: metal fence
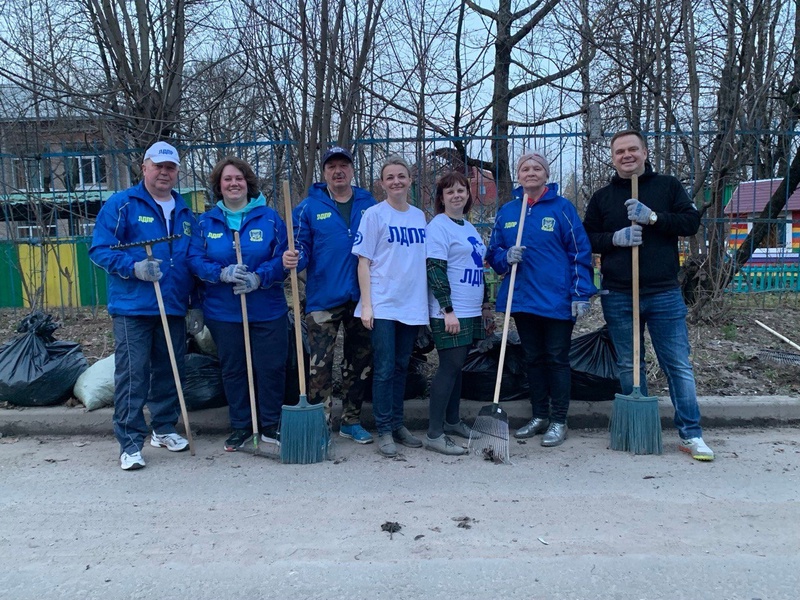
[49,201]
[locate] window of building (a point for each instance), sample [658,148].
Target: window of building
[86,173]
[28,175]
[36,231]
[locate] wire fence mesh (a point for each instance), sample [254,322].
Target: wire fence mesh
[50,199]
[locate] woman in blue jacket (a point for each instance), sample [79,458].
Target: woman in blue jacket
[553,286]
[262,233]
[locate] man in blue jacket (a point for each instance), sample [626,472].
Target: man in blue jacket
[325,225]
[143,374]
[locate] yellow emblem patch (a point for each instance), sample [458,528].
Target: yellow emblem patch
[187,228]
[256,235]
[323,216]
[143,219]
[548,224]
[214,236]
[510,225]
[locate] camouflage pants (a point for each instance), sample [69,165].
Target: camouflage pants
[323,327]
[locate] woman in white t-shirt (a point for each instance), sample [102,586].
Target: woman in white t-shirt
[390,245]
[459,311]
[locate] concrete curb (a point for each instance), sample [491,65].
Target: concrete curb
[717,411]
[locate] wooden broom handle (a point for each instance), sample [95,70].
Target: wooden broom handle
[247,351]
[298,335]
[507,315]
[635,293]
[172,360]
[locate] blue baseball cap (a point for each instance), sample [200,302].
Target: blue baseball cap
[162,152]
[337,151]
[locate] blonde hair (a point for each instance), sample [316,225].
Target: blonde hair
[395,159]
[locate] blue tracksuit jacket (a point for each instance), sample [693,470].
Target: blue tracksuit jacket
[263,239]
[325,241]
[557,264]
[133,216]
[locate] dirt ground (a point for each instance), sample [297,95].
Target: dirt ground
[577,521]
[729,354]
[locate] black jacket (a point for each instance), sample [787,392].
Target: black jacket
[658,255]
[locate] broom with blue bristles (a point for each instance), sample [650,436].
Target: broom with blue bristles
[304,432]
[635,421]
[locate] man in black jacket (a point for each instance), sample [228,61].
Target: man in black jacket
[615,223]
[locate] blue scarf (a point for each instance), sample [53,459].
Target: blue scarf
[235,218]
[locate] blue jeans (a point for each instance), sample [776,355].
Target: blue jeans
[664,314]
[143,375]
[392,343]
[269,343]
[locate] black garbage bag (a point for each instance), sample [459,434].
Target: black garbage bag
[594,367]
[416,378]
[202,387]
[35,368]
[292,394]
[480,370]
[424,343]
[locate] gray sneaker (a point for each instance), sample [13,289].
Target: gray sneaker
[460,429]
[403,436]
[386,445]
[444,445]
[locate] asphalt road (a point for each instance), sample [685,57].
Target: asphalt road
[578,521]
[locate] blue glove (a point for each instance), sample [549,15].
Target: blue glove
[148,270]
[514,254]
[580,308]
[628,236]
[232,273]
[249,282]
[638,212]
[194,321]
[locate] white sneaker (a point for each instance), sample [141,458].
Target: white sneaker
[131,462]
[171,441]
[697,448]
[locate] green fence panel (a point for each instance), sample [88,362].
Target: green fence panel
[91,279]
[10,281]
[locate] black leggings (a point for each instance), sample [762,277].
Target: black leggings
[446,390]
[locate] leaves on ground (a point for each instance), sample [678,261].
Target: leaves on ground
[392,527]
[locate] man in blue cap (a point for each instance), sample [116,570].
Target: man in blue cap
[325,225]
[143,375]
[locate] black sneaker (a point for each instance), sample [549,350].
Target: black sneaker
[271,435]
[236,439]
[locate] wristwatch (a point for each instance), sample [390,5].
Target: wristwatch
[447,310]
[653,218]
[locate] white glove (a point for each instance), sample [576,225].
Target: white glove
[580,308]
[148,270]
[514,254]
[638,212]
[232,273]
[249,282]
[628,236]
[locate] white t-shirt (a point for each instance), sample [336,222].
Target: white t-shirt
[167,207]
[464,251]
[395,243]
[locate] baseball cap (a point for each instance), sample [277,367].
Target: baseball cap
[336,151]
[162,152]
